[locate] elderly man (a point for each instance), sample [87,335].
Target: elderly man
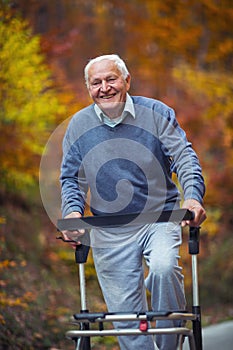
[124,149]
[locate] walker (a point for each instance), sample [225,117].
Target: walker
[82,336]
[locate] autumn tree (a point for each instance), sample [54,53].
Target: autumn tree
[29,104]
[214,133]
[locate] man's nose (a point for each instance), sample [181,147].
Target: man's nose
[104,86]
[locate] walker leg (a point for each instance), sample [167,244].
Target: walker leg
[85,342]
[194,250]
[180,342]
[81,253]
[192,344]
[197,332]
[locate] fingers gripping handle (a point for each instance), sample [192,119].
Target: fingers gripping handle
[81,250]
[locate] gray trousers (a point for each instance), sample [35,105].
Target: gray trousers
[121,276]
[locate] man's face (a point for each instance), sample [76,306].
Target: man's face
[108,88]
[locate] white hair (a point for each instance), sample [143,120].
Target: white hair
[113,57]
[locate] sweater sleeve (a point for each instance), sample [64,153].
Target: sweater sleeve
[183,158]
[73,182]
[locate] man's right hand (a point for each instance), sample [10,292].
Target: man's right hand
[73,235]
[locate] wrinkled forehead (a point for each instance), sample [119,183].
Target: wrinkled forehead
[103,68]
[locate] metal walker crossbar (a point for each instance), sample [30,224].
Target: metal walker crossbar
[84,319]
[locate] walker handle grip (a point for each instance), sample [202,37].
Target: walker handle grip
[81,253]
[194,234]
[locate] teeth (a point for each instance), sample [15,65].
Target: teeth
[107,97]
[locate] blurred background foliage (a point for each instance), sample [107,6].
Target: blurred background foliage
[29,104]
[178,51]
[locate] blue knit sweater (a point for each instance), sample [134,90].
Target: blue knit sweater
[128,168]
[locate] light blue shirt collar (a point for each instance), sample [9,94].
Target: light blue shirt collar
[128,109]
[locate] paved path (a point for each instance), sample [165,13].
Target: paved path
[217,337]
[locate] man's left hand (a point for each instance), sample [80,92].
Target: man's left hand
[199,212]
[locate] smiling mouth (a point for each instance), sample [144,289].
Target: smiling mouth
[107,97]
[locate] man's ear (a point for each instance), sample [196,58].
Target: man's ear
[128,82]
